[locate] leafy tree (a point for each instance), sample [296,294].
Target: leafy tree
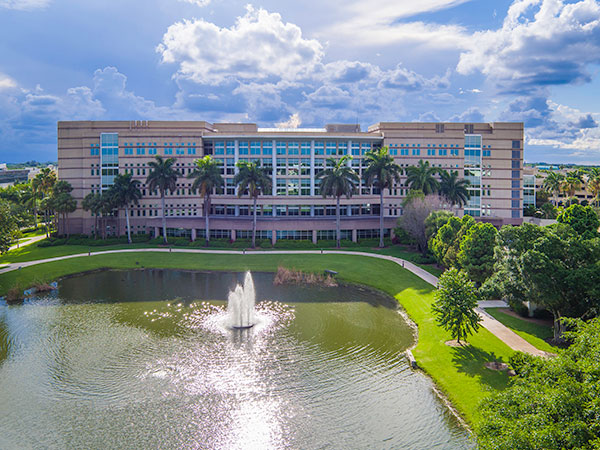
[454,189]
[207,177]
[336,180]
[162,177]
[435,221]
[422,177]
[552,267]
[93,203]
[63,202]
[549,211]
[8,226]
[593,185]
[125,191]
[553,402]
[476,254]
[445,245]
[254,181]
[381,172]
[455,303]
[583,219]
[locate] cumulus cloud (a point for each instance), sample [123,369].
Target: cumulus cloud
[197,2]
[24,5]
[472,114]
[260,46]
[541,43]
[293,122]
[6,82]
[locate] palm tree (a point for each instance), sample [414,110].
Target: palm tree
[35,190]
[63,202]
[570,185]
[454,189]
[93,203]
[422,178]
[553,184]
[336,180]
[106,207]
[207,177]
[164,178]
[254,180]
[126,191]
[47,179]
[593,184]
[381,172]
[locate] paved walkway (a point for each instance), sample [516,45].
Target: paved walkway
[503,333]
[27,241]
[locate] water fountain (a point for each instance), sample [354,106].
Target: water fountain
[240,304]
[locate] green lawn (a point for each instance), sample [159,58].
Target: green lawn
[33,252]
[533,333]
[459,372]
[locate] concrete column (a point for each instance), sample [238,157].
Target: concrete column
[236,156]
[274,172]
[312,169]
[193,234]
[233,237]
[156,232]
[274,238]
[354,236]
[314,236]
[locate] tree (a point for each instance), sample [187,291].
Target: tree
[93,203]
[207,177]
[445,245]
[106,207]
[162,177]
[455,303]
[63,202]
[422,177]
[552,267]
[552,403]
[454,189]
[336,180]
[583,219]
[416,209]
[549,211]
[8,226]
[571,184]
[381,172]
[476,255]
[254,181]
[593,184]
[46,179]
[553,184]
[435,221]
[126,191]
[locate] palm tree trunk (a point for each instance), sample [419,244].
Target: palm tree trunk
[380,218]
[95,226]
[206,224]
[337,223]
[127,220]
[46,223]
[164,217]
[254,224]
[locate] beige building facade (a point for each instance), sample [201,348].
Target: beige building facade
[92,153]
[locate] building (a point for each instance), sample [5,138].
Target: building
[8,177]
[534,177]
[90,154]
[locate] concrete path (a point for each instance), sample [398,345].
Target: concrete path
[503,333]
[492,304]
[27,241]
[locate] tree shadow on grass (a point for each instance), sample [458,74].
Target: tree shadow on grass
[471,361]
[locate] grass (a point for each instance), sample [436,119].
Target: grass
[533,333]
[33,252]
[459,372]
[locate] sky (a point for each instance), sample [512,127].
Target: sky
[303,63]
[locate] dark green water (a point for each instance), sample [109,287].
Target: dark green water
[142,359]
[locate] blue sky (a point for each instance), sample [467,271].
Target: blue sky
[303,63]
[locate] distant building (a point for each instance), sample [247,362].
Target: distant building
[90,154]
[10,177]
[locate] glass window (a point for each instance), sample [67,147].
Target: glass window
[516,144]
[243,147]
[516,154]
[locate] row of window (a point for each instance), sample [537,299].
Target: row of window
[305,235]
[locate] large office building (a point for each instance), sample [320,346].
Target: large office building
[91,153]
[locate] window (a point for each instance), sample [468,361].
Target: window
[454,152]
[442,152]
[243,147]
[439,127]
[516,154]
[267,147]
[516,144]
[516,174]
[404,152]
[516,183]
[255,148]
[516,214]
[469,128]
[515,203]
[516,194]
[416,151]
[487,153]
[516,164]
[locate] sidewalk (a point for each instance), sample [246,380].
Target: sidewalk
[499,330]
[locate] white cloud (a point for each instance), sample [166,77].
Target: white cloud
[6,82]
[541,43]
[24,5]
[200,3]
[293,122]
[260,46]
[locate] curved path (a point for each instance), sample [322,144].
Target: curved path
[502,332]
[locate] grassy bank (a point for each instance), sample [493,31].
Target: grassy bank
[536,334]
[459,372]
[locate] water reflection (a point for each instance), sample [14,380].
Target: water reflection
[108,372]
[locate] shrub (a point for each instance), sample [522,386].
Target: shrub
[264,243]
[293,244]
[521,362]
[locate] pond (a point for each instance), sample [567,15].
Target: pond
[141,359]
